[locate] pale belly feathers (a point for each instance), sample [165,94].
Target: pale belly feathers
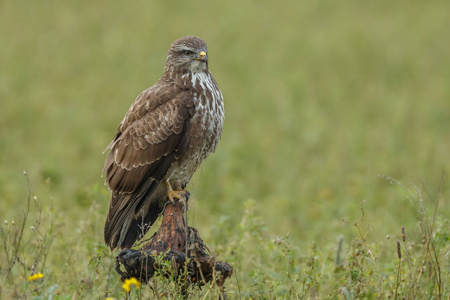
[203,131]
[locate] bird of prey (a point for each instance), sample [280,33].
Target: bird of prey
[166,134]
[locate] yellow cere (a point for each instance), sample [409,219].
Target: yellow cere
[130,282]
[203,53]
[35,276]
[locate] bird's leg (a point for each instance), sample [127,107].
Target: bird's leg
[180,195]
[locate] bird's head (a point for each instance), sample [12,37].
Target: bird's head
[189,53]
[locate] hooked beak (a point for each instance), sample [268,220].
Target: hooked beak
[203,57]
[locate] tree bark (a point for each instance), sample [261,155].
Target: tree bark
[175,241]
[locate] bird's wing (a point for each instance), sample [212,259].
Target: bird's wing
[150,137]
[150,131]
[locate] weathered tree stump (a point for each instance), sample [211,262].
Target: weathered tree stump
[176,241]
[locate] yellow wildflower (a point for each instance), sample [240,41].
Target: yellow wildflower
[129,282]
[35,276]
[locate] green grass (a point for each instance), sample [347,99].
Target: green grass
[321,98]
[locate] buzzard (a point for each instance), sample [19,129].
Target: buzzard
[166,134]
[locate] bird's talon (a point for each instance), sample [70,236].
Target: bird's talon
[172,195]
[179,195]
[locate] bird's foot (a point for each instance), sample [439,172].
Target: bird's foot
[179,195]
[174,195]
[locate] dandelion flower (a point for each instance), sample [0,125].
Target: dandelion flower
[35,276]
[130,282]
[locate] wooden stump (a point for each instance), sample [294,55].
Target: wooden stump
[176,241]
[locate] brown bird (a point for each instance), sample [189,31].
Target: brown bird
[166,134]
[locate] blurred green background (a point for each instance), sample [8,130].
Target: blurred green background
[321,97]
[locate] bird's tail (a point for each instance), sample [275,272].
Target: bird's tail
[130,216]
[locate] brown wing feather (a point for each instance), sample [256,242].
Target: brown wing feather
[147,133]
[150,137]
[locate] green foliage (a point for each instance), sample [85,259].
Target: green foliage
[266,266]
[321,97]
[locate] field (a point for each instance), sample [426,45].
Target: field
[336,136]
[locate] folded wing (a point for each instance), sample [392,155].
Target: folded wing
[151,136]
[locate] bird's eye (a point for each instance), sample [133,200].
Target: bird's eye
[188,52]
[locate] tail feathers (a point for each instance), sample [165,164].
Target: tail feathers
[131,216]
[135,229]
